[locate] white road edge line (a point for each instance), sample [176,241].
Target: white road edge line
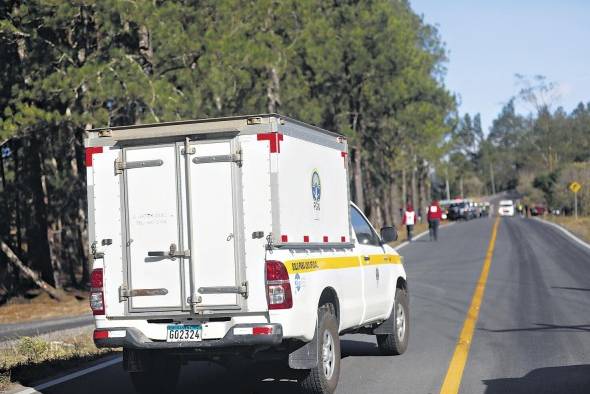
[406,243]
[74,375]
[566,232]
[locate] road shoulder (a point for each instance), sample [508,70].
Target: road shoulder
[565,231]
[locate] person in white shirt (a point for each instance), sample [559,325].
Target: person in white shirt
[409,220]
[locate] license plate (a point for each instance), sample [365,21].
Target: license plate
[184,333]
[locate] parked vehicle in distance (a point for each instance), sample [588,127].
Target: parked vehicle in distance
[537,210]
[460,211]
[235,237]
[506,208]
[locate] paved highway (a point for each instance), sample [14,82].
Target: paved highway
[532,333]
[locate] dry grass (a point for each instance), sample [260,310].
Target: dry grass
[579,227]
[31,359]
[42,306]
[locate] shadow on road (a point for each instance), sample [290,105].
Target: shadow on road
[544,327]
[351,348]
[570,288]
[572,379]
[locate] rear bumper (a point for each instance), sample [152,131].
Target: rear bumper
[133,338]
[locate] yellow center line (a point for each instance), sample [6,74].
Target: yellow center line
[452,380]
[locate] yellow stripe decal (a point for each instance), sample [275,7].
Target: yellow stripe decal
[452,380]
[330,263]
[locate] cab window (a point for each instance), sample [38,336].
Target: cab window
[363,230]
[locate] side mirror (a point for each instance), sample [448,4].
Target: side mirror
[388,234]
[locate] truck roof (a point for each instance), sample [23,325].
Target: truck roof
[222,124]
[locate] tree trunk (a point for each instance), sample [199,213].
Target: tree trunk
[492,179]
[358,177]
[461,187]
[29,273]
[38,241]
[447,186]
[273,88]
[415,189]
[404,189]
[395,208]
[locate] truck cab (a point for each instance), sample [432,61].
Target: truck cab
[222,238]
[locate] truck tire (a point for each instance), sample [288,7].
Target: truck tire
[324,377]
[159,376]
[397,343]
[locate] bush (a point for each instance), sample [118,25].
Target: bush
[33,349]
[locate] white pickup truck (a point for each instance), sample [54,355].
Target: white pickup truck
[235,237]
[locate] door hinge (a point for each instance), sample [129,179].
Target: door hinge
[241,290]
[125,293]
[191,151]
[233,158]
[121,165]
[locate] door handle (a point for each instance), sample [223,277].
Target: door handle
[366,258]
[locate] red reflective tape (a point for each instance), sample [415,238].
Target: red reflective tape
[284,238]
[91,151]
[306,238]
[274,139]
[325,238]
[100,334]
[343,239]
[264,330]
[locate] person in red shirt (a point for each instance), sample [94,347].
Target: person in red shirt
[409,219]
[434,216]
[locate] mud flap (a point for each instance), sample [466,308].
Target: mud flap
[306,357]
[134,360]
[388,326]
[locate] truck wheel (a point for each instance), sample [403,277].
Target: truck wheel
[397,343]
[160,376]
[324,377]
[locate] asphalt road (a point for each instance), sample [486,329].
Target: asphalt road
[532,335]
[16,330]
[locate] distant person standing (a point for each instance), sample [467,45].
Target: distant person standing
[409,219]
[434,216]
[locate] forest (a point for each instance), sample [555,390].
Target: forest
[539,154]
[372,70]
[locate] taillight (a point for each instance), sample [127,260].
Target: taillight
[96,292]
[278,288]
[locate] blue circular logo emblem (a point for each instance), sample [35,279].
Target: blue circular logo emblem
[316,187]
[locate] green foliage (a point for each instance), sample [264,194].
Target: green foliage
[372,70]
[33,349]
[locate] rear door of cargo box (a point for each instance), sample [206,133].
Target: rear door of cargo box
[214,214]
[153,228]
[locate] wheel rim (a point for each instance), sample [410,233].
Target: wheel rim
[328,355]
[400,321]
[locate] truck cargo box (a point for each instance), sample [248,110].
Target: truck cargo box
[182,215]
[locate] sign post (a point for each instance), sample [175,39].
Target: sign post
[575,188]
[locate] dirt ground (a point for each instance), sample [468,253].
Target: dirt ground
[37,306]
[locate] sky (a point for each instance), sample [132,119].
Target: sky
[488,42]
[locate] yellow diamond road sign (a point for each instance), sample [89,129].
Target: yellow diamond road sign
[575,187]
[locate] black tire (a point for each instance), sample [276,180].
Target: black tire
[160,376]
[397,343]
[315,380]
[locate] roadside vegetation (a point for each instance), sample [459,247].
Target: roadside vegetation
[538,154]
[579,227]
[36,305]
[31,359]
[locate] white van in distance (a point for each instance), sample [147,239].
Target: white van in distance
[506,208]
[235,237]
